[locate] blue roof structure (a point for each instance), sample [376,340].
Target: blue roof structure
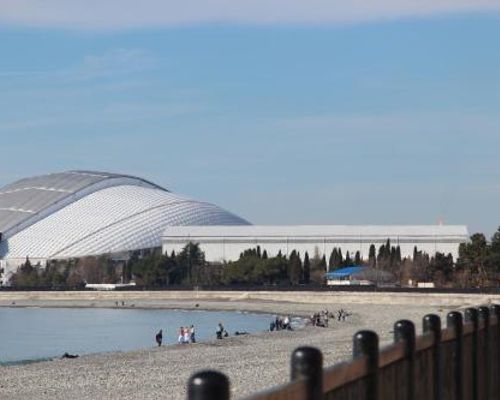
[345,272]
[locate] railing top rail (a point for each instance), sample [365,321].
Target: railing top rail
[424,342]
[341,374]
[295,390]
[391,354]
[448,334]
[468,329]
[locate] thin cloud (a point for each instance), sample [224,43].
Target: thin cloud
[120,14]
[121,61]
[394,125]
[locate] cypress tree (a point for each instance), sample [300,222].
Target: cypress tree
[357,258]
[348,260]
[323,263]
[332,260]
[307,268]
[372,256]
[398,255]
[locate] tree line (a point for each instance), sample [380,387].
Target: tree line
[478,264]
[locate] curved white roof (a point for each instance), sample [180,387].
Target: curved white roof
[82,213]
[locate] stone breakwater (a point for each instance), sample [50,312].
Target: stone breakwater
[252,362]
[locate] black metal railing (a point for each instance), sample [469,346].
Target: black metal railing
[458,362]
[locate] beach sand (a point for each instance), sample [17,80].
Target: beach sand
[253,362]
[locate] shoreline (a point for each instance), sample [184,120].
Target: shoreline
[252,362]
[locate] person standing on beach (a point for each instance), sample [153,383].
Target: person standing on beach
[159,337]
[187,335]
[193,338]
[181,335]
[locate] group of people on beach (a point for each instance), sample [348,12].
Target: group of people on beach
[117,304]
[322,318]
[186,335]
[281,323]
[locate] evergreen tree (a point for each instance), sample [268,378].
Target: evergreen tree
[307,268]
[323,263]
[264,255]
[340,258]
[190,257]
[398,255]
[332,260]
[380,257]
[357,258]
[494,254]
[295,268]
[348,261]
[372,257]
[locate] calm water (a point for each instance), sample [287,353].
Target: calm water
[38,333]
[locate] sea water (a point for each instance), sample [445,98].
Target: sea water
[35,334]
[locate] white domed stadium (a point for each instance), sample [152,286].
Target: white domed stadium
[81,213]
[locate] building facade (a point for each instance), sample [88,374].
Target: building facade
[225,243]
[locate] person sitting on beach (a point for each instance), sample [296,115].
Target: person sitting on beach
[277,323]
[286,323]
[159,337]
[220,331]
[67,355]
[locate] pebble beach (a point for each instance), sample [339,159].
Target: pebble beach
[252,362]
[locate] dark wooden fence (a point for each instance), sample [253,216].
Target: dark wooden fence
[460,361]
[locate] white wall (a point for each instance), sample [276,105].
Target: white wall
[228,249]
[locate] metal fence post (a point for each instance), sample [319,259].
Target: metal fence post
[307,363]
[432,325]
[472,317]
[365,344]
[455,320]
[404,331]
[484,314]
[208,385]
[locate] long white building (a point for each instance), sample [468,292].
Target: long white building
[225,243]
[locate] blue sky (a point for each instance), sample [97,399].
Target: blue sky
[352,117]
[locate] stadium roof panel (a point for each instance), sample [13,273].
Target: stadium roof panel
[26,201]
